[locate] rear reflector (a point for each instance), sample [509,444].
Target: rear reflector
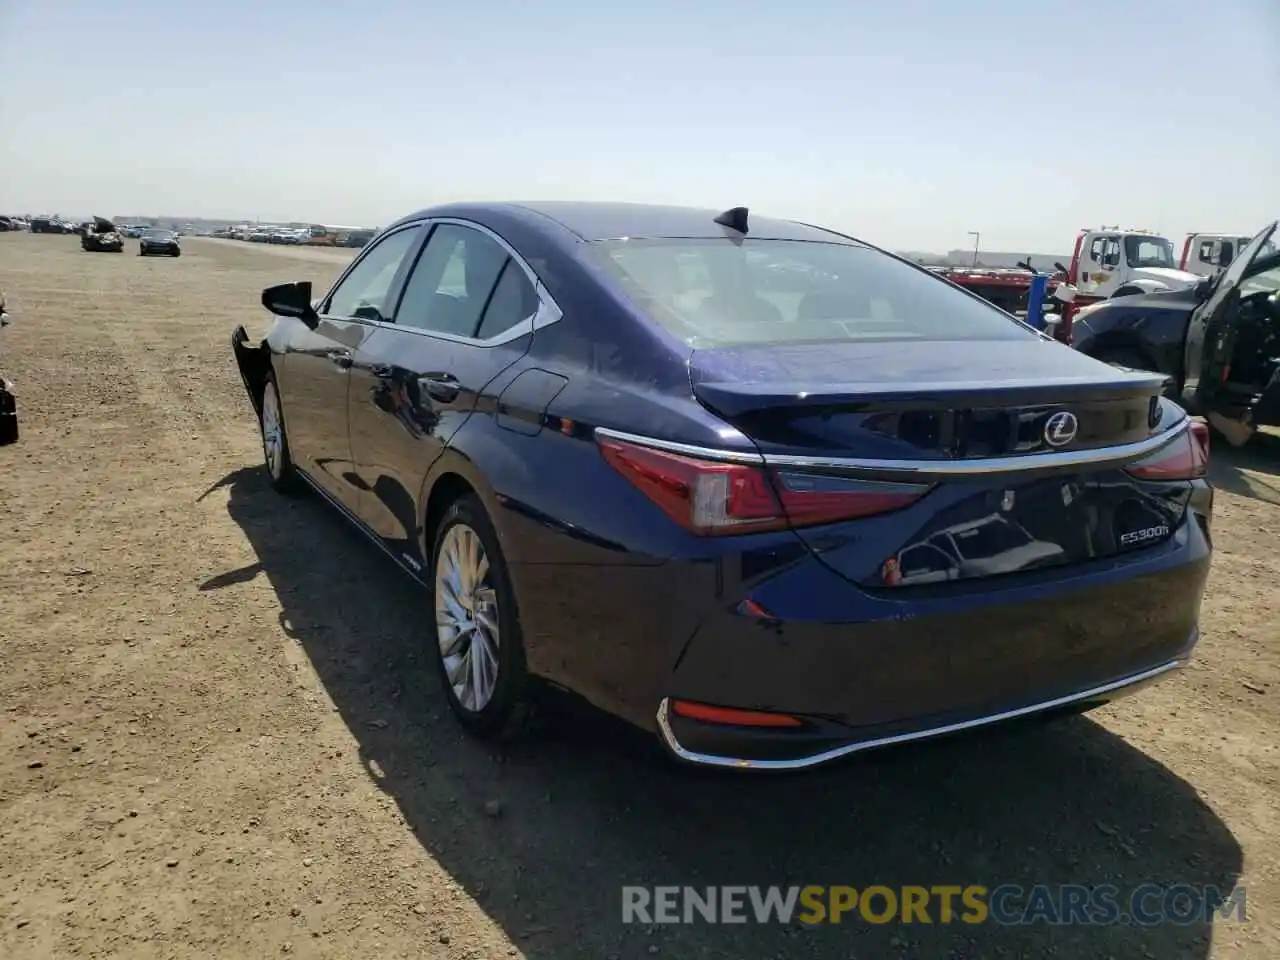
[1186,458]
[728,715]
[711,498]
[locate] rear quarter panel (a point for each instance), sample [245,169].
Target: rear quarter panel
[1155,334]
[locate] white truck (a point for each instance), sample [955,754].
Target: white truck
[1204,254]
[1115,262]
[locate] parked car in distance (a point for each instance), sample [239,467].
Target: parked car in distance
[102,237]
[47,225]
[1218,343]
[159,242]
[354,238]
[763,489]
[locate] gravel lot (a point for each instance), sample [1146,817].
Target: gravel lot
[220,737]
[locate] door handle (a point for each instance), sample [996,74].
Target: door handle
[340,358]
[440,386]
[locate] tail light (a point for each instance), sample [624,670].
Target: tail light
[711,498]
[1186,458]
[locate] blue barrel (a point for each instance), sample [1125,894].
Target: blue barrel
[1035,300]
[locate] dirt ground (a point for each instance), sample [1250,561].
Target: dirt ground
[219,736]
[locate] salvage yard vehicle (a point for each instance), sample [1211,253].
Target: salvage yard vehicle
[1009,288]
[1204,254]
[159,242]
[770,492]
[1113,262]
[49,225]
[102,238]
[8,402]
[1218,343]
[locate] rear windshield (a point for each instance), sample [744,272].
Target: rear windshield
[720,292]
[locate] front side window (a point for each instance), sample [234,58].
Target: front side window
[465,284]
[721,292]
[363,291]
[1148,252]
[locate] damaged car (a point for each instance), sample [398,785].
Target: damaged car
[761,489]
[102,238]
[1217,343]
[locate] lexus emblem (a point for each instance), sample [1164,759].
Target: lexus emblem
[1060,429]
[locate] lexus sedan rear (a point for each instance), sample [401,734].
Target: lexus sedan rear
[758,487]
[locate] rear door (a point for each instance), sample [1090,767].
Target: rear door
[466,315]
[1212,331]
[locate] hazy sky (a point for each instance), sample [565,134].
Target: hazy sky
[907,122]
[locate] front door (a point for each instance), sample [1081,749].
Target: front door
[466,315]
[1099,258]
[315,376]
[1215,326]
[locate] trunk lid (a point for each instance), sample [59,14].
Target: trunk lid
[941,413]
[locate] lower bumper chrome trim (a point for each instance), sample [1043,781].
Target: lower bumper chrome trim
[800,763]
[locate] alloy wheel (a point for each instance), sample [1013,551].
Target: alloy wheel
[467,625]
[272,431]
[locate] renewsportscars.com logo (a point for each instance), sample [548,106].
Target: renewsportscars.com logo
[1148,904]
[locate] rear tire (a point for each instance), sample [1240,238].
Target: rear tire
[475,632]
[275,442]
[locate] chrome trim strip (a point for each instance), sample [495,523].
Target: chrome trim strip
[711,760]
[708,453]
[922,468]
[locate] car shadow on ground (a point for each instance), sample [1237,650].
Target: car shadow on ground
[1249,471]
[587,807]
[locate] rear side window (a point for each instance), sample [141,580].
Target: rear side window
[719,292]
[514,300]
[453,282]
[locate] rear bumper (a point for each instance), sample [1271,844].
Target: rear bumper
[741,757]
[858,674]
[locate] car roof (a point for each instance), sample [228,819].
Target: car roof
[591,220]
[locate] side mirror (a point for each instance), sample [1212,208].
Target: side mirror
[1225,256]
[292,300]
[1060,268]
[1203,288]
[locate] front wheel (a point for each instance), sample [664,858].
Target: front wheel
[275,442]
[477,639]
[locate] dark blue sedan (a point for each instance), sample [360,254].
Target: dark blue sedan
[756,486]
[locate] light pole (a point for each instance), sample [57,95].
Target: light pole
[977,238]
